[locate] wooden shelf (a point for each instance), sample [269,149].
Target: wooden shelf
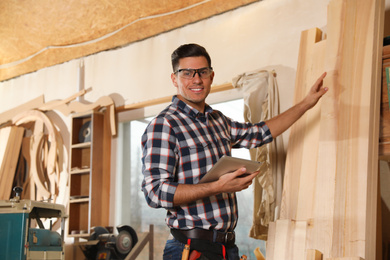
[80,171]
[89,174]
[82,200]
[81,145]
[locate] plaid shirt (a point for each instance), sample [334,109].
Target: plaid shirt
[179,146]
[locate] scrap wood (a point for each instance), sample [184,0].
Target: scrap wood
[36,167]
[42,120]
[32,104]
[44,154]
[66,107]
[43,157]
[35,116]
[258,254]
[105,101]
[20,170]
[61,105]
[39,103]
[25,154]
[10,155]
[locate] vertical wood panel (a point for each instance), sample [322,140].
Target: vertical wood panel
[334,186]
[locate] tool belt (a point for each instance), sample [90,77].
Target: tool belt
[225,238]
[211,244]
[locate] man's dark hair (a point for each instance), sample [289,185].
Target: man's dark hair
[188,50]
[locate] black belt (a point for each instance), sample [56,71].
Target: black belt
[227,238]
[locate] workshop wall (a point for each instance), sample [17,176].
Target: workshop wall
[263,34]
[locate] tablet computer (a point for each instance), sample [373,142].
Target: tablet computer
[227,164]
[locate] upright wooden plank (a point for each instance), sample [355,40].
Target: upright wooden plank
[325,231]
[343,216]
[271,240]
[289,240]
[357,69]
[10,160]
[4,137]
[283,237]
[377,25]
[298,241]
[306,198]
[299,130]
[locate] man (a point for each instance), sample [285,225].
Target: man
[185,140]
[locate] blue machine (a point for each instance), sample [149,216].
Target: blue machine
[22,233]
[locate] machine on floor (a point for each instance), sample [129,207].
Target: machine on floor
[103,244]
[23,235]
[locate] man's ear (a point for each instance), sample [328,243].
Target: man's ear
[174,79]
[212,77]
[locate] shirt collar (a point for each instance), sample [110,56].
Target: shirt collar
[188,109]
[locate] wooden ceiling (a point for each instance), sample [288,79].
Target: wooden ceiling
[38,34]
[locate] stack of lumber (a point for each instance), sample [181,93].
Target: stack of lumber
[329,203]
[10,139]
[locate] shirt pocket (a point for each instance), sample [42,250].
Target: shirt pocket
[194,161]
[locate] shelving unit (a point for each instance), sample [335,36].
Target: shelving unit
[89,174]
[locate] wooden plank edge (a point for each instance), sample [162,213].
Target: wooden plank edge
[373,248]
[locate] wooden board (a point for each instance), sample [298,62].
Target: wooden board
[11,138]
[306,129]
[288,240]
[332,158]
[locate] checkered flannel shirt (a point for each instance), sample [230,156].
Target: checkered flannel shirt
[179,146]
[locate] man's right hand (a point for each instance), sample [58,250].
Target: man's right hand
[236,181]
[231,182]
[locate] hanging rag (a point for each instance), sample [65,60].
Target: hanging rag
[261,102]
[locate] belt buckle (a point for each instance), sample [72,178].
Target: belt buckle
[229,236]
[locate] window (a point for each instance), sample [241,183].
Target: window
[131,207]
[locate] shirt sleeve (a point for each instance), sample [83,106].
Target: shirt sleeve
[159,163]
[248,135]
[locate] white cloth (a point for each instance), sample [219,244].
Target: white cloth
[261,102]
